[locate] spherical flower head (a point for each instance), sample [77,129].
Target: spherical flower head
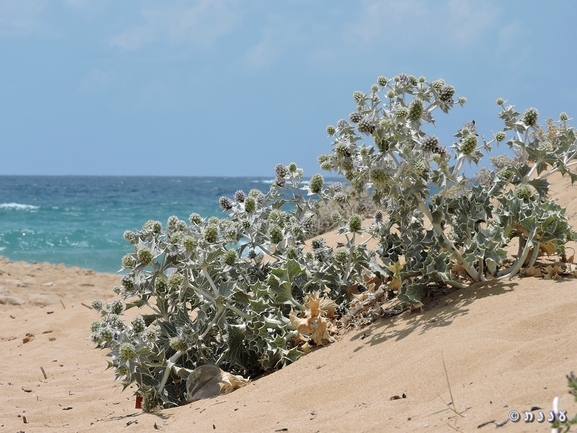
[378,175]
[309,256]
[106,335]
[144,255]
[160,285]
[469,144]
[421,79]
[280,182]
[130,236]
[151,335]
[276,235]
[138,324]
[340,197]
[117,290]
[97,305]
[189,243]
[500,101]
[391,94]
[462,100]
[292,253]
[348,165]
[181,226]
[127,351]
[331,130]
[172,222]
[336,217]
[382,144]
[500,136]
[95,325]
[128,283]
[225,203]
[402,113]
[342,124]
[211,233]
[249,204]
[246,224]
[378,216]
[230,257]
[358,96]
[321,254]
[430,142]
[563,117]
[415,109]
[530,116]
[292,167]
[326,166]
[316,183]
[341,256]
[128,261]
[355,222]
[355,117]
[318,243]
[438,84]
[116,307]
[446,93]
[175,280]
[382,80]
[281,170]
[195,219]
[438,158]
[524,192]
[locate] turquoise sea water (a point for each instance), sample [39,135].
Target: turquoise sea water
[79,220]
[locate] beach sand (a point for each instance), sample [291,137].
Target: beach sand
[490,349]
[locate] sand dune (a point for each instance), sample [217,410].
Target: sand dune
[503,346]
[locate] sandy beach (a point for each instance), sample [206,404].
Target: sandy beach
[488,349]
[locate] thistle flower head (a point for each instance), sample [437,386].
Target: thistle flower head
[292,167]
[563,117]
[500,136]
[500,101]
[429,142]
[230,257]
[342,124]
[115,307]
[358,96]
[225,203]
[97,305]
[160,284]
[378,216]
[331,130]
[276,234]
[280,181]
[178,344]
[211,233]
[316,183]
[530,116]
[138,324]
[130,236]
[144,255]
[446,93]
[402,113]
[127,351]
[318,243]
[382,80]
[175,280]
[128,283]
[355,222]
[128,261]
[281,170]
[355,117]
[438,84]
[391,94]
[95,325]
[195,219]
[469,144]
[415,109]
[249,204]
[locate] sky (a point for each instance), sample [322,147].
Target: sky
[233,87]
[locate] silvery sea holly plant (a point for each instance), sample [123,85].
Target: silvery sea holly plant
[249,294]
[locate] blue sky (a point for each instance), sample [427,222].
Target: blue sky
[230,88]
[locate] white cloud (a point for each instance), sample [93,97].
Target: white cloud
[199,22]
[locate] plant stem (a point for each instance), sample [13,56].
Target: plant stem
[169,365]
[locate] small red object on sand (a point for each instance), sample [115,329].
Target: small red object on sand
[138,402]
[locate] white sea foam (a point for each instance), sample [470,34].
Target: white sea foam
[18,206]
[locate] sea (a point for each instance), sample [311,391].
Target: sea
[80,220]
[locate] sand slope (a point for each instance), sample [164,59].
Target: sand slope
[505,346]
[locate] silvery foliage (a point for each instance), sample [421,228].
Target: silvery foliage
[443,227]
[220,291]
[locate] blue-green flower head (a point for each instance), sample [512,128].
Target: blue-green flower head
[115,307]
[195,219]
[316,183]
[95,325]
[213,220]
[327,166]
[331,130]
[138,324]
[500,136]
[342,124]
[382,80]
[189,243]
[117,290]
[97,305]
[276,234]
[374,88]
[469,144]
[415,109]
[438,84]
[130,236]
[563,117]
[336,217]
[391,94]
[230,257]
[358,96]
[530,117]
[355,117]
[160,285]
[292,253]
[421,79]
[279,182]
[341,256]
[128,261]
[144,255]
[366,125]
[172,222]
[292,167]
[250,204]
[211,233]
[128,283]
[127,351]
[500,101]
[430,142]
[317,243]
[378,175]
[178,344]
[281,170]
[446,93]
[402,113]
[225,203]
[106,335]
[355,223]
[175,280]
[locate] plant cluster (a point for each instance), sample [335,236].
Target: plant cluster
[245,292]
